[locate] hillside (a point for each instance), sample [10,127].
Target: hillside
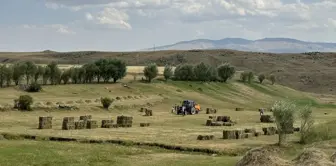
[274,45]
[311,72]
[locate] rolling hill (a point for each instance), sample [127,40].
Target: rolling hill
[273,45]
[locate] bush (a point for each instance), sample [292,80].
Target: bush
[151,71]
[244,76]
[261,78]
[34,87]
[167,72]
[321,132]
[24,102]
[272,79]
[106,102]
[202,72]
[225,71]
[283,112]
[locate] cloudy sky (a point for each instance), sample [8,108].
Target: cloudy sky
[124,25]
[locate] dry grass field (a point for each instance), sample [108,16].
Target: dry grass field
[310,72]
[165,128]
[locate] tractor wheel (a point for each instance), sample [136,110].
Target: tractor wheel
[193,111]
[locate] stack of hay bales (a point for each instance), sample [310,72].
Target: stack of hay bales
[81,124]
[266,119]
[240,134]
[148,112]
[205,137]
[144,124]
[91,124]
[108,124]
[269,130]
[219,121]
[68,123]
[143,109]
[45,122]
[211,111]
[239,109]
[124,121]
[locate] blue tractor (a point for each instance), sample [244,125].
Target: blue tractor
[190,107]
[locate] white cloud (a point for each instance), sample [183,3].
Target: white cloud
[89,16]
[111,17]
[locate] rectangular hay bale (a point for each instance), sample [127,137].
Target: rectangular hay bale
[106,123]
[92,124]
[228,124]
[80,124]
[229,134]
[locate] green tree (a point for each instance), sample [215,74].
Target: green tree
[18,72]
[8,75]
[2,75]
[151,71]
[307,122]
[261,78]
[226,71]
[250,77]
[46,75]
[74,72]
[244,76]
[39,73]
[29,69]
[184,72]
[91,72]
[55,73]
[120,69]
[102,67]
[202,72]
[168,72]
[66,75]
[284,114]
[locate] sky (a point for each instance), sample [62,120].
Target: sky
[127,25]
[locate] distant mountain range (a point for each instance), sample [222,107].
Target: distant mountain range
[272,45]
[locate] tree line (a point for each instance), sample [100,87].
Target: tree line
[102,70]
[202,72]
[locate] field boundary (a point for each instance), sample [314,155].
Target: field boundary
[10,136]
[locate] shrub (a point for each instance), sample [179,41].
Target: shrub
[307,123]
[250,77]
[106,102]
[225,71]
[167,72]
[261,78]
[272,79]
[244,76]
[284,112]
[34,87]
[321,132]
[24,102]
[150,72]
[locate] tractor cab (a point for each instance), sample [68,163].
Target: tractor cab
[190,107]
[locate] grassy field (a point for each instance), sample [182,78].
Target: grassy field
[166,128]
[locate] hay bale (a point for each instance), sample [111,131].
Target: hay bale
[148,112]
[228,124]
[297,129]
[81,124]
[250,130]
[88,101]
[68,123]
[205,137]
[257,134]
[239,109]
[262,157]
[224,118]
[239,134]
[216,124]
[208,122]
[106,123]
[213,117]
[229,134]
[248,135]
[144,124]
[269,130]
[211,111]
[313,157]
[124,121]
[85,117]
[45,122]
[266,119]
[91,124]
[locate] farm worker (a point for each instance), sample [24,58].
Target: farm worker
[261,111]
[183,110]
